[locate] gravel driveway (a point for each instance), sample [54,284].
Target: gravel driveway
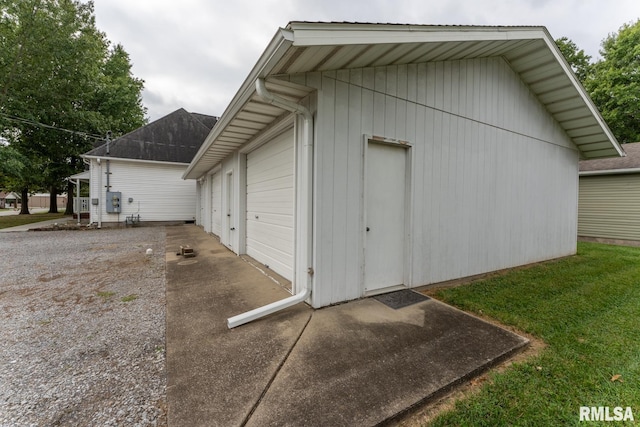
[82,321]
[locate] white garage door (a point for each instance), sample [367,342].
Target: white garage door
[270,204]
[216,203]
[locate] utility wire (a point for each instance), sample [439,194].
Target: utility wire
[46,126]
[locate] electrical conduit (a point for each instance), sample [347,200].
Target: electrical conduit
[305,218]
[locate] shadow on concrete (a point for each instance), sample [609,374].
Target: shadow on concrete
[359,363]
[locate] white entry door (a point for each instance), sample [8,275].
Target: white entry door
[228,221]
[216,203]
[385,216]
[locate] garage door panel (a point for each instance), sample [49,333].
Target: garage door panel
[272,151]
[277,165]
[269,218]
[283,183]
[265,199]
[270,204]
[271,233]
[277,261]
[270,178]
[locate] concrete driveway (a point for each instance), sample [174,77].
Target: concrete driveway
[359,363]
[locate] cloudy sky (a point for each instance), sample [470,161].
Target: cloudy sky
[195,54]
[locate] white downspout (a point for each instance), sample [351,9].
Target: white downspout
[305,219]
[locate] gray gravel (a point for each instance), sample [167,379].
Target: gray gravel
[82,321]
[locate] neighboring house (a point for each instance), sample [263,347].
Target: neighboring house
[357,159]
[138,176]
[609,202]
[9,200]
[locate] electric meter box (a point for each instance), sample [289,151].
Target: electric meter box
[113,202]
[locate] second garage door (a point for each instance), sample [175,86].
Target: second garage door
[270,204]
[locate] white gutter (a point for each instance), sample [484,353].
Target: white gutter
[303,277]
[155,162]
[610,172]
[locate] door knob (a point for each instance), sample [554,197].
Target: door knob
[368,229]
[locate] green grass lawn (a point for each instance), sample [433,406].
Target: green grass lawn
[586,309]
[15,220]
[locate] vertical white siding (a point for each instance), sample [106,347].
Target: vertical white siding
[609,206]
[494,178]
[158,191]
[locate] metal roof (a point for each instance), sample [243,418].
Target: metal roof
[306,46]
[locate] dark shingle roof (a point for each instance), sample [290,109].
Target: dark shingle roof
[175,137]
[631,161]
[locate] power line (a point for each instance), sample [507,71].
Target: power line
[46,126]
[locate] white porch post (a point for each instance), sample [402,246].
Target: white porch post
[78,199]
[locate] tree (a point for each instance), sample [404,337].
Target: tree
[118,94]
[614,84]
[17,173]
[61,84]
[579,61]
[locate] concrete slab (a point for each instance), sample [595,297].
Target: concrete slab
[216,375]
[359,363]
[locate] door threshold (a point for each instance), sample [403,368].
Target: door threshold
[384,290]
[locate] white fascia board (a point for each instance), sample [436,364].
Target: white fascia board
[122,159]
[86,175]
[610,172]
[311,34]
[582,92]
[216,168]
[276,49]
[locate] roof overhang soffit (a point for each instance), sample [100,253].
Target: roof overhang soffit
[530,51]
[248,122]
[306,47]
[208,155]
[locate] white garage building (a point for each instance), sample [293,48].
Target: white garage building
[361,158]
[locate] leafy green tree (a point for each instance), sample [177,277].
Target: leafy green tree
[614,84]
[118,95]
[61,83]
[17,173]
[579,61]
